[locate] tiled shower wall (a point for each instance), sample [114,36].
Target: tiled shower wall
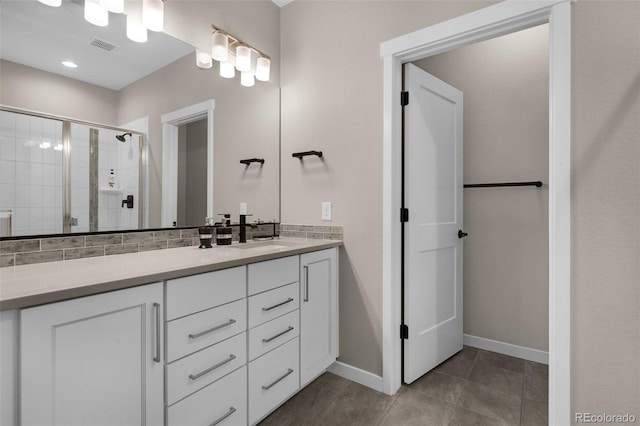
[31,177]
[31,173]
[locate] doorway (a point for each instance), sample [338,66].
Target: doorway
[171,123]
[192,173]
[499,19]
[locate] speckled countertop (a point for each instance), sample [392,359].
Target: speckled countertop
[31,285]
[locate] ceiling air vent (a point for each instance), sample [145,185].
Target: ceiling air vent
[102,44]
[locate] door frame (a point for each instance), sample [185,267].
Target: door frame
[499,19]
[170,123]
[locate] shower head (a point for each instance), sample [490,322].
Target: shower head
[121,137]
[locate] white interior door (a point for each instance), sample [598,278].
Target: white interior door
[433,195]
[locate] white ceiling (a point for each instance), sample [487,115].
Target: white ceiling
[40,36]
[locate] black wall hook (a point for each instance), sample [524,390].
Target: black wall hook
[536,183]
[252,160]
[300,155]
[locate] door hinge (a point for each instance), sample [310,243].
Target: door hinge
[404,215]
[404,331]
[404,98]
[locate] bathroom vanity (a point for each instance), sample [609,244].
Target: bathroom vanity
[176,337]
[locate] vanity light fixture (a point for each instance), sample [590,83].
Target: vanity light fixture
[220,46]
[203,59]
[95,14]
[247,79]
[153,14]
[263,68]
[115,6]
[135,30]
[234,54]
[228,67]
[69,64]
[52,3]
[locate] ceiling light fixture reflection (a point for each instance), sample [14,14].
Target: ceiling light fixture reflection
[52,3]
[69,64]
[153,14]
[95,14]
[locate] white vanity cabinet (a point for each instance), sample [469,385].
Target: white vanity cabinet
[95,357]
[318,313]
[206,377]
[274,327]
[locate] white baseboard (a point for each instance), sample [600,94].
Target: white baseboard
[357,375]
[529,354]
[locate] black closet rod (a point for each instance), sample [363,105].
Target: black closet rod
[536,183]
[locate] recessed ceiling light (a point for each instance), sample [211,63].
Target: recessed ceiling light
[69,64]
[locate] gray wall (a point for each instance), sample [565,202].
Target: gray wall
[506,138]
[606,207]
[28,88]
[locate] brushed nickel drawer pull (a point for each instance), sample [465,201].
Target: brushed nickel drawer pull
[277,335]
[306,283]
[212,329]
[289,300]
[210,369]
[156,326]
[270,385]
[224,416]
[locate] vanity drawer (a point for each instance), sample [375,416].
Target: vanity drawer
[196,293]
[197,370]
[273,303]
[197,331]
[272,334]
[264,276]
[226,397]
[273,378]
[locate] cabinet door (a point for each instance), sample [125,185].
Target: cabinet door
[318,313]
[94,360]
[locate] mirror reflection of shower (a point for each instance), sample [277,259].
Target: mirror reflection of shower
[121,137]
[102,173]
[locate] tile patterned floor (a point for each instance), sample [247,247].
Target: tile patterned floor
[474,387]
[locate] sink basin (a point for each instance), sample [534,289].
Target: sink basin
[266,245]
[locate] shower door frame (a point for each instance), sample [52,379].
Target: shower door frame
[66,159]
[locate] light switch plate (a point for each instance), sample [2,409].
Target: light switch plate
[243,208]
[326,210]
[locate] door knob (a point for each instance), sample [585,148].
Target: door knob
[461,234]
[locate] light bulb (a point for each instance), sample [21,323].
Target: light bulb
[115,6]
[247,79]
[153,14]
[228,67]
[52,3]
[220,46]
[263,67]
[203,59]
[243,58]
[135,30]
[95,13]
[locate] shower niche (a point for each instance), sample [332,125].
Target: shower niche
[63,176]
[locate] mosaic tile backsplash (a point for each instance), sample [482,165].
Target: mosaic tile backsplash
[51,249]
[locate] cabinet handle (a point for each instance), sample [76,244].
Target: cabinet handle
[224,416]
[210,369]
[156,353]
[289,300]
[212,329]
[278,380]
[277,335]
[306,283]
